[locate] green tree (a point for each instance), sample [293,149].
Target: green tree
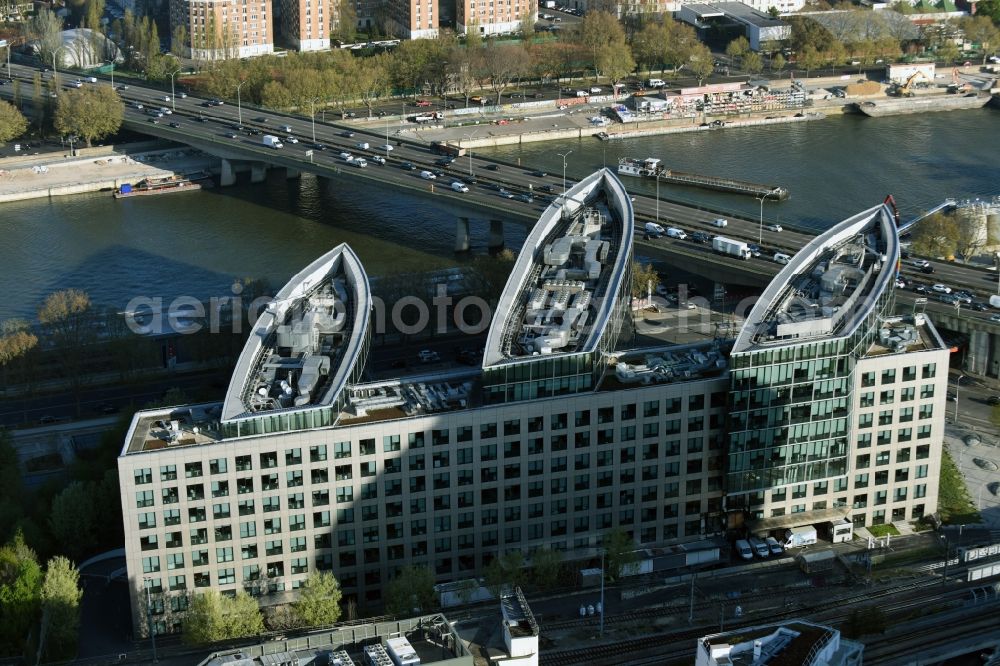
[619,553]
[67,317]
[61,595]
[948,52]
[615,62]
[44,28]
[346,20]
[179,40]
[505,572]
[411,591]
[778,63]
[738,48]
[91,113]
[546,565]
[74,520]
[16,342]
[12,123]
[810,58]
[598,30]
[645,280]
[753,63]
[935,236]
[319,600]
[20,594]
[213,617]
[701,63]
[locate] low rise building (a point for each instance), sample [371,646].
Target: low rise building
[793,642]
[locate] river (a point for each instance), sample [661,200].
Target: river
[195,244]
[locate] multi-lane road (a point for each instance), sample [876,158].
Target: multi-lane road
[497,189]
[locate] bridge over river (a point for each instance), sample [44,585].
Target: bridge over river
[502,193]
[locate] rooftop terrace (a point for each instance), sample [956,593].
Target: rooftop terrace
[794,643]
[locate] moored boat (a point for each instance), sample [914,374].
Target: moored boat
[166,185]
[652,168]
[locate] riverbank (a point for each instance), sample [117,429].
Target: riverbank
[45,176]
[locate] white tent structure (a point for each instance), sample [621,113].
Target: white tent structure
[84,48]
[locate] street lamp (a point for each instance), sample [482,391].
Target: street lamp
[998,273]
[469,137]
[239,104]
[312,103]
[112,63]
[760,233]
[564,156]
[173,97]
[149,616]
[958,383]
[55,71]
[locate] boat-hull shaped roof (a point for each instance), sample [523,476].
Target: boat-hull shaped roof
[525,271]
[340,264]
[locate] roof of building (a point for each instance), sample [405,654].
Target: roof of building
[517,616]
[792,643]
[561,291]
[305,344]
[748,14]
[828,287]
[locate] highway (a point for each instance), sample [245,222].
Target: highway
[498,190]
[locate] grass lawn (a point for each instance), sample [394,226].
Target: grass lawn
[954,503]
[883,530]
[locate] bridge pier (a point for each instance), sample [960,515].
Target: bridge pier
[292,173]
[978,357]
[462,234]
[258,172]
[227,175]
[496,235]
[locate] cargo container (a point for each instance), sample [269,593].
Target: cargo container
[731,247]
[272,141]
[812,563]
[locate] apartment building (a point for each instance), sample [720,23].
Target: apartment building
[310,463]
[305,24]
[493,17]
[413,19]
[223,29]
[836,405]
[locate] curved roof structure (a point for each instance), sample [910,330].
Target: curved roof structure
[829,287]
[304,346]
[562,290]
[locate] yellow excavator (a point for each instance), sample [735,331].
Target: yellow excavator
[905,89]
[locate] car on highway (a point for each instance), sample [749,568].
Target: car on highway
[260,119]
[538,174]
[900,283]
[182,95]
[459,186]
[941,288]
[993,400]
[948,299]
[287,129]
[291,139]
[428,356]
[202,119]
[378,159]
[123,87]
[444,161]
[408,166]
[979,306]
[547,188]
[926,269]
[700,237]
[232,135]
[754,249]
[319,146]
[422,103]
[427,175]
[506,194]
[995,318]
[919,263]
[166,98]
[774,227]
[174,123]
[963,295]
[75,84]
[492,167]
[526,198]
[136,105]
[155,121]
[347,134]
[253,131]
[921,289]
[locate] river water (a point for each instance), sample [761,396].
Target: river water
[195,244]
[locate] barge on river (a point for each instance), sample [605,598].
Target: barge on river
[166,185]
[651,168]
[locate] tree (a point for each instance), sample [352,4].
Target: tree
[12,123]
[213,617]
[20,594]
[619,552]
[949,52]
[645,280]
[753,63]
[700,63]
[546,565]
[615,62]
[505,572]
[61,595]
[600,29]
[91,113]
[346,22]
[810,58]
[778,63]
[935,236]
[16,341]
[411,591]
[73,519]
[501,64]
[319,601]
[45,28]
[179,40]
[66,316]
[738,48]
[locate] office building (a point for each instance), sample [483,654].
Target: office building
[836,405]
[305,24]
[493,18]
[312,463]
[223,29]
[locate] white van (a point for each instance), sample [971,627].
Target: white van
[720,222]
[656,83]
[673,232]
[781,258]
[743,548]
[654,230]
[363,145]
[459,186]
[760,548]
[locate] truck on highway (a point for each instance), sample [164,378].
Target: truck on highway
[733,248]
[995,301]
[797,537]
[426,117]
[272,141]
